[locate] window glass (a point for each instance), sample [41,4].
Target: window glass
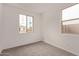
[25,23]
[70,13]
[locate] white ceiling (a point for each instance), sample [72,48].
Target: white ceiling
[42,7]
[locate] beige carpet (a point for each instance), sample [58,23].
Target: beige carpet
[36,49]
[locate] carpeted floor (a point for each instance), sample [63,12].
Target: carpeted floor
[36,49]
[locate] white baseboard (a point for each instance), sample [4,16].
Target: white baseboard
[21,45]
[59,47]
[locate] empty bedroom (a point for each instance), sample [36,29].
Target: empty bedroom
[39,29]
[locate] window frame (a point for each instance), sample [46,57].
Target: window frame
[26,23]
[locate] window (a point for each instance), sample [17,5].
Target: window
[25,23]
[70,19]
[71,15]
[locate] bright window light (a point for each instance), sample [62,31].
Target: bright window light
[71,22]
[25,23]
[29,23]
[22,20]
[71,13]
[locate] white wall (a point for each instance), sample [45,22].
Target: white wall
[1,27]
[12,37]
[52,33]
[48,29]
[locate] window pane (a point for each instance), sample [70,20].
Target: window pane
[70,13]
[71,22]
[22,23]
[29,23]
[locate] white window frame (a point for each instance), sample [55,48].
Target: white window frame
[26,23]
